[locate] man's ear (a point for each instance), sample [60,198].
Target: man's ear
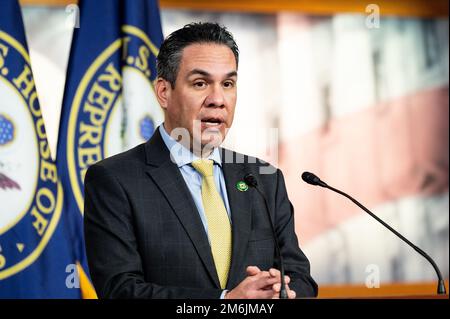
[162,90]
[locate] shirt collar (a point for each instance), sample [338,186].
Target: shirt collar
[181,155]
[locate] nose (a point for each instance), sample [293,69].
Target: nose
[215,97]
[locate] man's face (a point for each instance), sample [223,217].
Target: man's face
[204,93]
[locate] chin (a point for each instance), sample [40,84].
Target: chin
[212,138]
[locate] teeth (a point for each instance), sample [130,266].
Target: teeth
[211,123]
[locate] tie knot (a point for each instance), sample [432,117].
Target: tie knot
[204,167]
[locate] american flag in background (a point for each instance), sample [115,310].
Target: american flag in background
[6,136]
[367,112]
[6,130]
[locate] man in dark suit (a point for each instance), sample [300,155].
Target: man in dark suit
[173,218]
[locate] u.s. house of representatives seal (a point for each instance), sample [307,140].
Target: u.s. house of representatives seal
[30,194]
[114,107]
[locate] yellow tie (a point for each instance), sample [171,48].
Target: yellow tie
[219,228]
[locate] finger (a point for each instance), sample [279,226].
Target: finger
[264,282]
[252,270]
[274,272]
[277,287]
[277,284]
[261,275]
[291,294]
[276,290]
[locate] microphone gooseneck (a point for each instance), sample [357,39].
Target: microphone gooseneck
[252,182]
[312,179]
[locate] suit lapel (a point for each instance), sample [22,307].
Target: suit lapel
[240,206]
[168,178]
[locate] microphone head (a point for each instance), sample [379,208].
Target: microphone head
[250,180]
[312,179]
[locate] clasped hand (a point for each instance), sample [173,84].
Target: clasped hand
[260,285]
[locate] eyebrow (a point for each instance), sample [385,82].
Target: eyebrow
[207,74]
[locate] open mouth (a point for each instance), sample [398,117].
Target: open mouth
[212,121]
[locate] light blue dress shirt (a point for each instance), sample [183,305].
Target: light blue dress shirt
[183,158]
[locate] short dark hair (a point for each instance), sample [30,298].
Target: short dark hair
[169,57]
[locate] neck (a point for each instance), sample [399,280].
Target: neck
[201,151]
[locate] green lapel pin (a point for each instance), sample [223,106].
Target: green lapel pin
[241,186]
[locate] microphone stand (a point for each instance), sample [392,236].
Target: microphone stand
[251,181]
[314,180]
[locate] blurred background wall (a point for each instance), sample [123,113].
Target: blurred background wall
[363,105]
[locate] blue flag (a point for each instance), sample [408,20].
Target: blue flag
[109,103]
[37,259]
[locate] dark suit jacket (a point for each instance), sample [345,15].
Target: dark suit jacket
[145,239]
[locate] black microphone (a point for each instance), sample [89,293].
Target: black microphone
[252,182]
[312,179]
